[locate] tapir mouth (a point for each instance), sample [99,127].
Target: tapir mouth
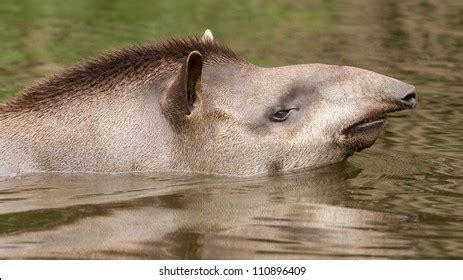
[363,132]
[370,122]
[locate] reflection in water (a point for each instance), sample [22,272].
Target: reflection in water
[289,216]
[402,198]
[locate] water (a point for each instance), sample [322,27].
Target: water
[402,198]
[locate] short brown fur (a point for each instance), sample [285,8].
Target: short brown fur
[102,73]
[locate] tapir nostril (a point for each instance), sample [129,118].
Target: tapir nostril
[409,99]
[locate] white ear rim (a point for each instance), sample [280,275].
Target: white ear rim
[207,36]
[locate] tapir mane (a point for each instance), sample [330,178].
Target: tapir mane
[136,65]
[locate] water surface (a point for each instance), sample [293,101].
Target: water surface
[400,199]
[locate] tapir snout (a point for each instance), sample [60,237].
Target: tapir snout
[408,98]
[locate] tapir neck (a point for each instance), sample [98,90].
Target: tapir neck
[111,133]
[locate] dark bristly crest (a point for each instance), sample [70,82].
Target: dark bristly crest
[130,65]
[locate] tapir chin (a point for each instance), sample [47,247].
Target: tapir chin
[194,105]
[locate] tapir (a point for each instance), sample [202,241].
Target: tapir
[194,105]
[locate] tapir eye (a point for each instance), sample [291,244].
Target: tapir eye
[281,115]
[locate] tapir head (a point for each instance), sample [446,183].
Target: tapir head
[237,118]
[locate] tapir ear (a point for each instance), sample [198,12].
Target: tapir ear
[207,36]
[183,93]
